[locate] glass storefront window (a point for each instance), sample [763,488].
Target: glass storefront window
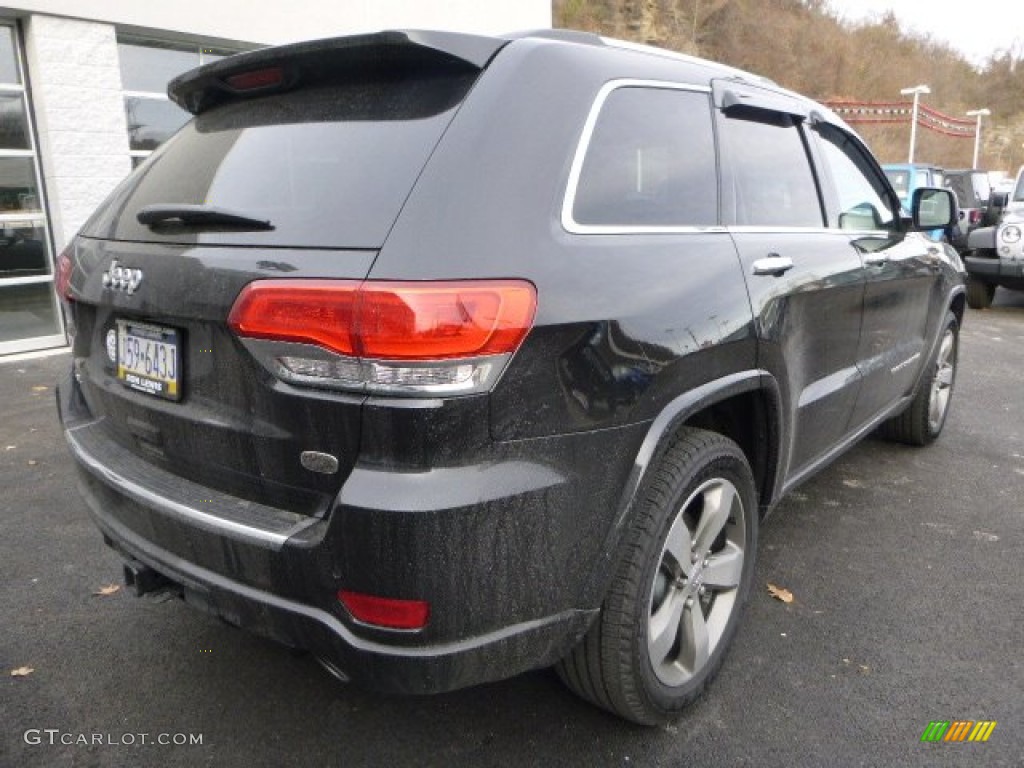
[24,251]
[29,316]
[9,71]
[19,192]
[152,121]
[26,312]
[13,123]
[147,65]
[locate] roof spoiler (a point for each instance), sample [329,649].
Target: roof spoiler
[279,68]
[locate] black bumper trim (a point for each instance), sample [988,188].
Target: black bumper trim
[197,577]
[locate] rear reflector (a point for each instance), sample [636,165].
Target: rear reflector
[387,612]
[256,79]
[389,321]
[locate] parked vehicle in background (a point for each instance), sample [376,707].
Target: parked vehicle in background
[449,357]
[1014,196]
[908,177]
[973,194]
[995,255]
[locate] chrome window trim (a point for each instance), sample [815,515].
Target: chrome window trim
[757,228]
[569,224]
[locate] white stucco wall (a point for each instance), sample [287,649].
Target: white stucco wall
[268,23]
[79,113]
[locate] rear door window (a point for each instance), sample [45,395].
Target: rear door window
[771,183]
[649,164]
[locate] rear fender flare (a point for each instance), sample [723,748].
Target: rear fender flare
[661,429]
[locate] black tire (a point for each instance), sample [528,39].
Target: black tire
[923,420]
[979,294]
[633,661]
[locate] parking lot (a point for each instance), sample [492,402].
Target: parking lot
[905,566]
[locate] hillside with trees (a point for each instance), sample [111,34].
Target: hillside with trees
[806,45]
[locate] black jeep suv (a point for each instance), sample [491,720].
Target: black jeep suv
[449,357]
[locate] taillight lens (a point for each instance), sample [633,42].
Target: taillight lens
[974,217]
[387,612]
[320,312]
[65,266]
[399,337]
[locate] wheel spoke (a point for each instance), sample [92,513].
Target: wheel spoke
[678,547]
[718,501]
[942,382]
[946,351]
[696,643]
[663,628]
[724,568]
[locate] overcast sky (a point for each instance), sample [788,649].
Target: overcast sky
[977,28]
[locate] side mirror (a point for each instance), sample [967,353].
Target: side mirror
[934,208]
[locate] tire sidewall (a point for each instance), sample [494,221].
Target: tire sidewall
[726,462]
[950,324]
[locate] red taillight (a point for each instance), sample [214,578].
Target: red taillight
[320,312]
[438,321]
[255,79]
[386,612]
[974,217]
[65,266]
[390,321]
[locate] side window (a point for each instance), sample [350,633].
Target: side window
[650,161]
[863,200]
[772,181]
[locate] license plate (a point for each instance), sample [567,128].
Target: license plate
[149,359]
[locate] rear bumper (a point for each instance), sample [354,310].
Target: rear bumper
[492,548]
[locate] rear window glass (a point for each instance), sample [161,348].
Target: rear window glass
[650,162]
[964,188]
[329,166]
[900,181]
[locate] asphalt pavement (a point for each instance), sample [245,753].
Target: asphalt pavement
[905,566]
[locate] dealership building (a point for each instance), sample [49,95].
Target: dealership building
[83,101]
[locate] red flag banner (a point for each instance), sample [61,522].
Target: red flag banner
[882,112]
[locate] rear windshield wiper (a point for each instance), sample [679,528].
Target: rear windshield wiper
[198,216]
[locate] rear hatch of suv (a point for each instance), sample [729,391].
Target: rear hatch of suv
[296,165]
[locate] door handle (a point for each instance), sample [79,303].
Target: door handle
[876,261]
[773,265]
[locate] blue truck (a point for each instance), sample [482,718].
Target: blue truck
[906,177]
